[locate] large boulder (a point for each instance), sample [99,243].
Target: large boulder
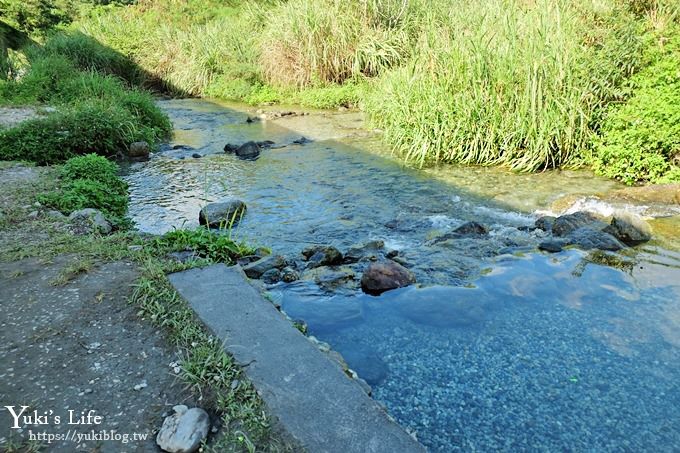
[545,223]
[566,224]
[183,431]
[90,220]
[384,276]
[222,213]
[629,229]
[261,266]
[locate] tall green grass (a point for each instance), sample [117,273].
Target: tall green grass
[505,82]
[522,83]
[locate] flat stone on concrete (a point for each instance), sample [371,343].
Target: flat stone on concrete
[317,404]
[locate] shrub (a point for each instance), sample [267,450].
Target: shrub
[90,181]
[92,127]
[640,139]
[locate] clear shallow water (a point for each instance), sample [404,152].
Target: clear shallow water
[502,348]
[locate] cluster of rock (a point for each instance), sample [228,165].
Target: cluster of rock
[588,231]
[251,150]
[332,270]
[80,222]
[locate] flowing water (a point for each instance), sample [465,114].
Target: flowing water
[499,347]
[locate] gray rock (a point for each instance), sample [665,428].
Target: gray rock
[551,246]
[545,223]
[230,149]
[222,213]
[272,276]
[629,229]
[588,238]
[384,276]
[92,220]
[249,150]
[55,215]
[288,275]
[567,224]
[259,267]
[183,431]
[317,256]
[331,279]
[138,150]
[183,257]
[367,250]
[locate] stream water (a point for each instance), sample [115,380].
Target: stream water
[499,347]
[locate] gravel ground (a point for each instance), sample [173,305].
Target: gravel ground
[80,347]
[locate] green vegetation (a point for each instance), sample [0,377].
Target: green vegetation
[204,366]
[89,181]
[97,111]
[640,139]
[528,85]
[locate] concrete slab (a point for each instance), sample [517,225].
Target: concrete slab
[318,405]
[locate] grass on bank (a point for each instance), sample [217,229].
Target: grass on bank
[527,85]
[94,109]
[205,366]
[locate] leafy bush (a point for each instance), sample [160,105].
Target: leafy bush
[640,139]
[90,181]
[92,127]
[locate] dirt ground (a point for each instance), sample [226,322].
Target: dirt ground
[80,347]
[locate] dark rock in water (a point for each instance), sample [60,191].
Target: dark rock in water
[566,224]
[249,120]
[265,144]
[367,364]
[138,150]
[384,276]
[588,238]
[222,213]
[368,250]
[331,279]
[545,223]
[259,267]
[302,141]
[551,246]
[230,149]
[184,147]
[249,150]
[271,276]
[629,230]
[322,256]
[183,257]
[196,156]
[245,260]
[392,254]
[289,275]
[526,229]
[471,229]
